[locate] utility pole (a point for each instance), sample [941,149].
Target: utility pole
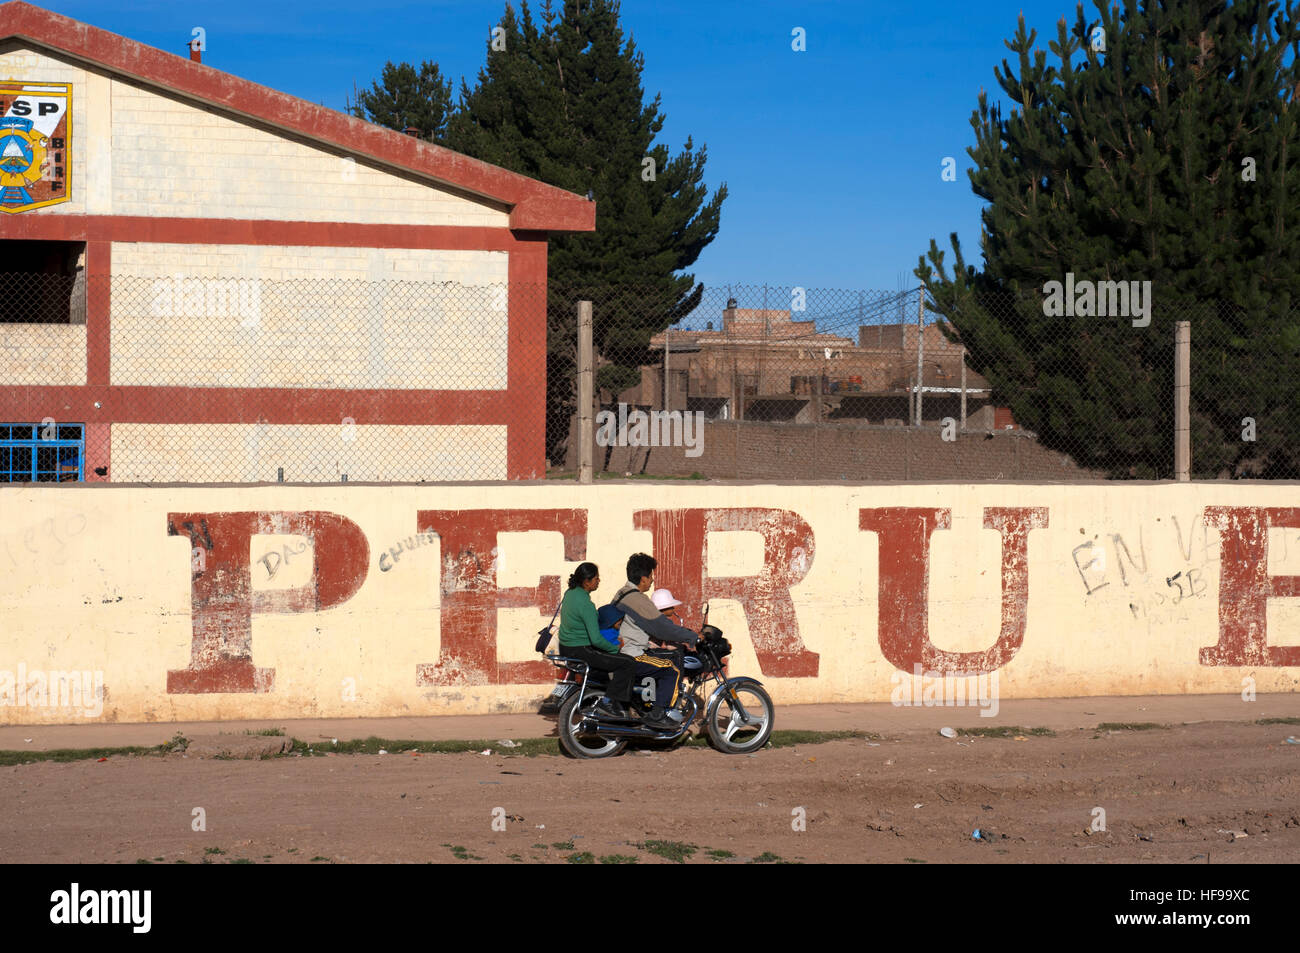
[666,347]
[963,388]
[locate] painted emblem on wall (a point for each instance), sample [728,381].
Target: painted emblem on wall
[35,144]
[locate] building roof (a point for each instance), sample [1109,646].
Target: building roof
[699,339]
[533,205]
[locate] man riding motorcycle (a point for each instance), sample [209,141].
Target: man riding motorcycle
[642,621]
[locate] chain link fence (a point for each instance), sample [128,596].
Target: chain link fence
[207,379]
[1089,369]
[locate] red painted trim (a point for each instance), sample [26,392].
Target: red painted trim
[99,265]
[526,375]
[211,405]
[99,444]
[223,231]
[535,205]
[523,400]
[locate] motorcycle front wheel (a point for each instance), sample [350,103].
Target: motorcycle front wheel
[741,722]
[577,745]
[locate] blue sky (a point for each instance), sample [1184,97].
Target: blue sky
[831,156]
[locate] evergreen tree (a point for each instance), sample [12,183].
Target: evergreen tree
[1169,155]
[406,99]
[563,103]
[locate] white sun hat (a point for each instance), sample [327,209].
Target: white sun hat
[663,599]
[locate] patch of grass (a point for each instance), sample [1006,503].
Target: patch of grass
[565,845]
[790,738]
[213,850]
[515,857]
[11,758]
[676,851]
[525,747]
[1006,731]
[318,857]
[586,857]
[535,846]
[158,860]
[462,853]
[1129,726]
[141,860]
[914,860]
[269,732]
[767,857]
[1278,721]
[241,860]
[293,850]
[720,854]
[618,859]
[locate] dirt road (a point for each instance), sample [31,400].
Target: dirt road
[1169,795]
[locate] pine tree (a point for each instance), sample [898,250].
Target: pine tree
[406,99]
[1168,155]
[563,103]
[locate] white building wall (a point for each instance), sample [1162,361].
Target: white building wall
[323,453]
[139,151]
[301,316]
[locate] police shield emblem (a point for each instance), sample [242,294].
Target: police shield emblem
[35,144]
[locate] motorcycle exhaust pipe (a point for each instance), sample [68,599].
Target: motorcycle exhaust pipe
[603,729]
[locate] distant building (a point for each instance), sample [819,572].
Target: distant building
[763,365]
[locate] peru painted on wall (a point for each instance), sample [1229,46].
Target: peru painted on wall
[141,604]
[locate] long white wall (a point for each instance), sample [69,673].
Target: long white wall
[278,602]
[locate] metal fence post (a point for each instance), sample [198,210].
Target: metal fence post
[1182,401]
[963,388]
[920,352]
[586,433]
[667,346]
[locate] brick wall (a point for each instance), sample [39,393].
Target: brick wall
[136,151]
[250,453]
[172,158]
[26,65]
[750,450]
[372,329]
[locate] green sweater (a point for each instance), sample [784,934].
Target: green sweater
[578,622]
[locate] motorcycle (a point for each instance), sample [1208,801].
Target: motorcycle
[737,715]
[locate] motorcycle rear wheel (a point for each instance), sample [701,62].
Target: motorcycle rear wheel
[742,720]
[577,745]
